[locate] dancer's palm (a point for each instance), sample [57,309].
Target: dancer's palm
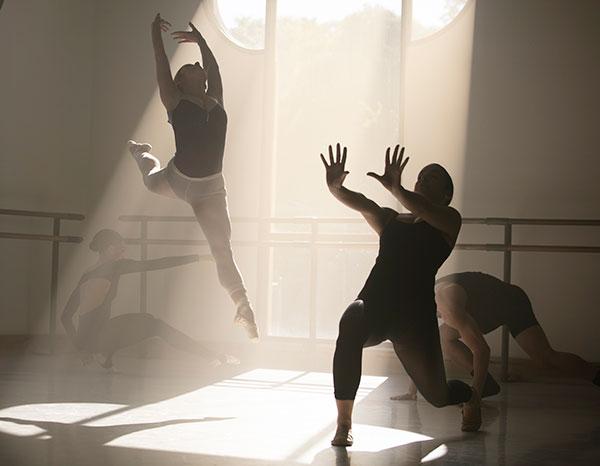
[335,171]
[185,37]
[394,166]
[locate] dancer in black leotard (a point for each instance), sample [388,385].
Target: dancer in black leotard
[194,174]
[97,332]
[397,302]
[472,304]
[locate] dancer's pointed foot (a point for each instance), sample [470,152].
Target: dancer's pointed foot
[343,437]
[471,413]
[245,318]
[137,149]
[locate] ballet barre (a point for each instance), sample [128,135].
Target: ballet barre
[55,238]
[316,240]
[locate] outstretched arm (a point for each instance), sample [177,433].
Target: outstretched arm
[67,315]
[452,306]
[376,216]
[209,62]
[444,218]
[169,94]
[132,266]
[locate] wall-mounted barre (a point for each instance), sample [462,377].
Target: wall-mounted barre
[55,238]
[315,240]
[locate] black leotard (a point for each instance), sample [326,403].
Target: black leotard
[402,280]
[492,302]
[199,138]
[92,322]
[397,303]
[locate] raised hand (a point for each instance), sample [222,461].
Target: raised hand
[335,172]
[184,37]
[160,25]
[392,175]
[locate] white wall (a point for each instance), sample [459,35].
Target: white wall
[532,150]
[45,118]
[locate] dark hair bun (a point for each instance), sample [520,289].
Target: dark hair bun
[105,238]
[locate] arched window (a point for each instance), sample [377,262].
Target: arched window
[242,21]
[431,16]
[334,70]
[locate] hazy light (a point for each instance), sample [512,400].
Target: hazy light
[324,11]
[269,423]
[262,414]
[430,16]
[67,413]
[20,430]
[367,438]
[435,454]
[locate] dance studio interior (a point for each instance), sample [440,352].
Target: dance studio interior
[299,232]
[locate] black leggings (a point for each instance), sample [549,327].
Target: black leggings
[417,347]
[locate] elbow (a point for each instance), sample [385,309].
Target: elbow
[417,210]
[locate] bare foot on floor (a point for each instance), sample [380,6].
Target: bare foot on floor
[343,437]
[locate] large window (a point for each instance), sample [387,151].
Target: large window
[337,69]
[244,20]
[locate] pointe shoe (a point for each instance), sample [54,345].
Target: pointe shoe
[342,438]
[471,413]
[136,148]
[245,318]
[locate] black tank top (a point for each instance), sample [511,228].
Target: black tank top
[92,321]
[404,272]
[488,298]
[199,138]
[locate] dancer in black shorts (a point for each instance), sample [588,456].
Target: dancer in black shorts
[397,301]
[98,333]
[472,304]
[194,174]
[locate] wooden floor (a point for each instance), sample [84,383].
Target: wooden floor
[53,412]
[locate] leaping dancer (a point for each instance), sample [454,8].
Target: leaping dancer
[194,174]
